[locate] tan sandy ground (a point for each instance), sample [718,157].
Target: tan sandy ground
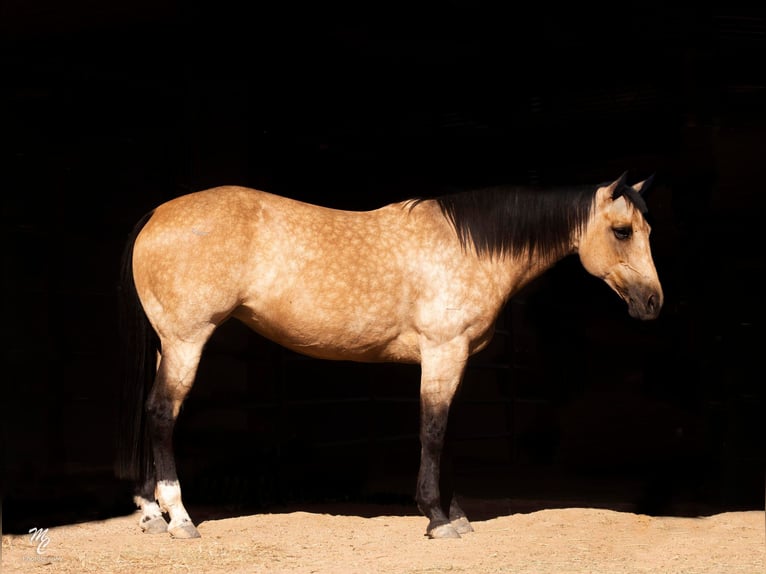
[341,540]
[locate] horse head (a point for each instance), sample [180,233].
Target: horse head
[614,246]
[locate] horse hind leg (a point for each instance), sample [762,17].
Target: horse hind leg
[152,520]
[175,376]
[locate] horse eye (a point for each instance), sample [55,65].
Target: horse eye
[622,233]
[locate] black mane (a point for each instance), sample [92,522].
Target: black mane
[519,221]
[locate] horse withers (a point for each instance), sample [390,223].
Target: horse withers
[419,281]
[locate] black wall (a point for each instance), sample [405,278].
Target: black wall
[108,110]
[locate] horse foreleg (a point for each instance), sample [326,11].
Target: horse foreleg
[175,376]
[442,371]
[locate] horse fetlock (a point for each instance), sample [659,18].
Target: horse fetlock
[151,521]
[168,493]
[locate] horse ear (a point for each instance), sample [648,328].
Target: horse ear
[645,185]
[616,188]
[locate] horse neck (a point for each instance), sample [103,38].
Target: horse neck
[514,272]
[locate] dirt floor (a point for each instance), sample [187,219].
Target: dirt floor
[386,538]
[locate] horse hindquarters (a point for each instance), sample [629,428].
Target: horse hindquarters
[140,346]
[151,412]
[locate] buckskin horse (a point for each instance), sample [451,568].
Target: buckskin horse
[420,281]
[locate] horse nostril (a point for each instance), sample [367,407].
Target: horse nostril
[651,303]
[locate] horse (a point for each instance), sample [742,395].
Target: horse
[420,281]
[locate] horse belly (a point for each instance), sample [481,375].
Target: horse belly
[325,332]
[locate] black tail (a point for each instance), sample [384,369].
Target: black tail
[140,344]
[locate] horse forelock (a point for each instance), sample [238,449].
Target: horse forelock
[519,221]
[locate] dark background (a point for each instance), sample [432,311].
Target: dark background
[110,108]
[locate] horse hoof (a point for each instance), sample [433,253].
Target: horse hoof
[184,531]
[156,525]
[443,531]
[462,525]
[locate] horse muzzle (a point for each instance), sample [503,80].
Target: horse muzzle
[644,304]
